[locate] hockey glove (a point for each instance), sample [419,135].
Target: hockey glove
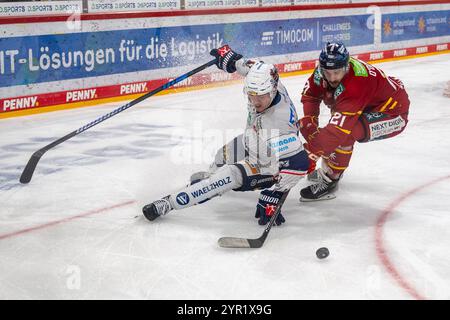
[309,127]
[226,58]
[313,153]
[267,205]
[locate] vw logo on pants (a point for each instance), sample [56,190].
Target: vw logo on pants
[182,198]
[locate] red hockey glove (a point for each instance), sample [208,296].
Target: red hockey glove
[309,127]
[313,153]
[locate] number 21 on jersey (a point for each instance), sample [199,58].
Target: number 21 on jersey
[338,119]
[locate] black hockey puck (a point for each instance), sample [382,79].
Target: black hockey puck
[322,253]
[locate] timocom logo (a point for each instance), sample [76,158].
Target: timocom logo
[20,103]
[267,38]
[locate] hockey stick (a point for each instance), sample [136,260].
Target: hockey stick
[27,173]
[232,242]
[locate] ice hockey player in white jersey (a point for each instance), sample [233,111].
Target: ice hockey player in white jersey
[268,156]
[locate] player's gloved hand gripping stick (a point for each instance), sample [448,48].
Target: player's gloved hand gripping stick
[32,163]
[233,242]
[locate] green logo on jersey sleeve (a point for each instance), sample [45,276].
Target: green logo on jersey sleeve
[358,68]
[317,77]
[338,91]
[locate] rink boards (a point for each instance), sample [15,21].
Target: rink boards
[78,61]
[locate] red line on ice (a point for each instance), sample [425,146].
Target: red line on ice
[381,250]
[52,223]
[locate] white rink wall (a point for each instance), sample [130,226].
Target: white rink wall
[86,57]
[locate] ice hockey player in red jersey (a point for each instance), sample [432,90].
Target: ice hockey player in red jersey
[365,105]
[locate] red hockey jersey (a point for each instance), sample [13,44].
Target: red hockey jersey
[364,89]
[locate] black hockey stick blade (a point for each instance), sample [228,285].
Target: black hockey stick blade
[30,167]
[234,242]
[27,173]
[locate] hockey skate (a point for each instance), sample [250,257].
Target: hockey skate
[313,176]
[322,190]
[157,208]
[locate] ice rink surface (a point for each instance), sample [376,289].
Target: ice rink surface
[77,232]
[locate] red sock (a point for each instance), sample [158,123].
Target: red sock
[339,161]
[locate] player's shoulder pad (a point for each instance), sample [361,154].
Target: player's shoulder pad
[358,82]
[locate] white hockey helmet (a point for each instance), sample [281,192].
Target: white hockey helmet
[262,78]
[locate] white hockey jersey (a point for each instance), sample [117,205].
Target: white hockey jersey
[273,135]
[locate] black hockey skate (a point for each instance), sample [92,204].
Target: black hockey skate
[313,176]
[322,190]
[157,208]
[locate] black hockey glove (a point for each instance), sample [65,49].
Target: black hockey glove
[267,204]
[226,58]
